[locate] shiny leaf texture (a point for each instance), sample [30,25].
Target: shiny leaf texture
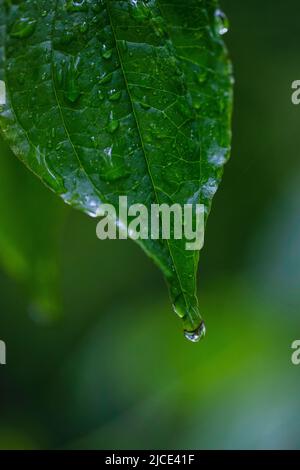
[110,98]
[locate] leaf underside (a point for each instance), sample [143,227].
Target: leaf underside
[110,98]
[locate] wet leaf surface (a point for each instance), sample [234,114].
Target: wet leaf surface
[110,98]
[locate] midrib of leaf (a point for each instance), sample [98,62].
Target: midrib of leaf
[60,108]
[146,158]
[196,253]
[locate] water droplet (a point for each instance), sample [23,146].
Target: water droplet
[123,46]
[217,155]
[72,91]
[106,78]
[209,189]
[196,335]
[221,22]
[145,105]
[197,105]
[83,27]
[76,5]
[94,141]
[140,12]
[201,77]
[23,28]
[106,53]
[114,95]
[113,167]
[113,126]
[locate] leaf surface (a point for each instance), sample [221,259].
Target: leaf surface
[110,98]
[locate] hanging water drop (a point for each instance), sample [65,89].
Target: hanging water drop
[196,335]
[221,22]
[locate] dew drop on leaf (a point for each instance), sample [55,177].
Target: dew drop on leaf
[114,95]
[100,95]
[113,126]
[23,28]
[106,78]
[113,166]
[72,91]
[83,27]
[107,54]
[221,22]
[145,105]
[76,5]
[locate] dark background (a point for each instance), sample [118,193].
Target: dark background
[96,358]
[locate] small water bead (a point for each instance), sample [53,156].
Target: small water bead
[201,76]
[94,141]
[114,95]
[221,22]
[23,28]
[106,78]
[113,126]
[106,53]
[100,95]
[123,46]
[196,335]
[140,12]
[145,105]
[72,91]
[83,27]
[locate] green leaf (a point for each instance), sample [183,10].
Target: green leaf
[109,98]
[31,220]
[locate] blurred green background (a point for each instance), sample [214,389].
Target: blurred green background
[96,358]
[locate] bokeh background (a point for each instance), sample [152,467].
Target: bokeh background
[96,358]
